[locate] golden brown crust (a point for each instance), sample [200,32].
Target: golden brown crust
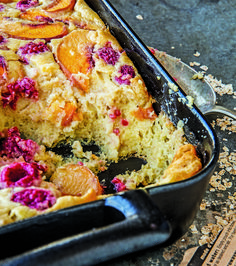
[185,164]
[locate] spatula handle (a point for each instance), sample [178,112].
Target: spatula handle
[222,110]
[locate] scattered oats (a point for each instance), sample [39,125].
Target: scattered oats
[203,205]
[222,172]
[154,262]
[206,230]
[209,232]
[198,75]
[194,64]
[193,229]
[172,86]
[226,123]
[190,101]
[219,87]
[221,221]
[203,67]
[197,54]
[139,17]
[169,253]
[227,184]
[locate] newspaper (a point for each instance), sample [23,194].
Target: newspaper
[220,253]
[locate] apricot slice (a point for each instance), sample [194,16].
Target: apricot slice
[6,1]
[144,113]
[59,5]
[70,114]
[64,115]
[35,15]
[28,31]
[75,180]
[74,56]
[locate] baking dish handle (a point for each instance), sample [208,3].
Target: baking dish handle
[140,226]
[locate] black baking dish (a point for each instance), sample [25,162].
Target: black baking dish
[125,222]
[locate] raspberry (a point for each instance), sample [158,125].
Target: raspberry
[116,131]
[35,198]
[152,50]
[108,54]
[1,9]
[124,122]
[13,146]
[119,185]
[112,116]
[22,5]
[115,113]
[2,39]
[20,174]
[25,87]
[89,55]
[2,60]
[44,19]
[30,49]
[126,72]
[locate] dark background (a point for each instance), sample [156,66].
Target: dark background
[182,27]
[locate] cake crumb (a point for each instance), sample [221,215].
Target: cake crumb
[139,17]
[198,75]
[194,64]
[197,54]
[193,229]
[203,67]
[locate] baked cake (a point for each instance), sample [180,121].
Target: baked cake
[65,79]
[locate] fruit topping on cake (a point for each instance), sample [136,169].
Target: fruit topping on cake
[35,198]
[125,73]
[20,174]
[74,54]
[31,31]
[31,48]
[60,5]
[109,54]
[13,146]
[76,180]
[36,15]
[63,114]
[22,5]
[144,113]
[23,88]
[118,184]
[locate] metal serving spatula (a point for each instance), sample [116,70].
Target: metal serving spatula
[202,92]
